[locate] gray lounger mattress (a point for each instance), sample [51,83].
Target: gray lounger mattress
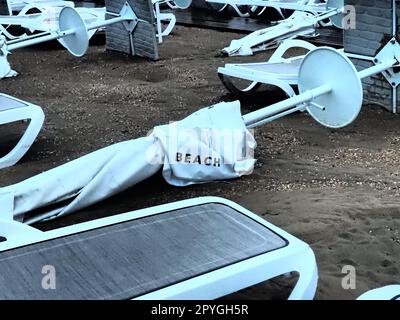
[132,258]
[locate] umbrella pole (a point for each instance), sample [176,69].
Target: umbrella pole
[285,107]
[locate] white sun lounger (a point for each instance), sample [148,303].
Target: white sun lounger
[11,110]
[391,292]
[312,6]
[298,24]
[46,19]
[202,248]
[19,5]
[278,71]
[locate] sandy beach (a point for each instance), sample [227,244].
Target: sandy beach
[338,190]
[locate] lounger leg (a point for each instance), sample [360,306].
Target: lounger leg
[225,79]
[172,21]
[240,13]
[158,19]
[308,278]
[36,115]
[236,91]
[5,68]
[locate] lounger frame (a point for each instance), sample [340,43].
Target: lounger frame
[283,81]
[27,111]
[296,256]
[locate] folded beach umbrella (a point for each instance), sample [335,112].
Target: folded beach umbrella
[211,144]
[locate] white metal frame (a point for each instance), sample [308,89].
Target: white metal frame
[28,112]
[391,49]
[297,256]
[298,24]
[312,6]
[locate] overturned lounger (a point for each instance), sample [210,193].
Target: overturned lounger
[298,24]
[314,6]
[202,248]
[18,5]
[11,110]
[278,71]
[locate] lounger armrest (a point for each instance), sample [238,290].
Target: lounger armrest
[277,56]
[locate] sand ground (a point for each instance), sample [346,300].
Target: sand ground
[338,190]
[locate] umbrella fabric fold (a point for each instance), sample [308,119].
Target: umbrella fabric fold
[85,180]
[211,144]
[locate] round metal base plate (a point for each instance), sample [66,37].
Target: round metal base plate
[337,20]
[78,42]
[328,66]
[182,4]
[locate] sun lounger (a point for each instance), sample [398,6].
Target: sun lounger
[19,5]
[11,110]
[278,71]
[46,19]
[385,293]
[298,24]
[202,248]
[312,6]
[42,15]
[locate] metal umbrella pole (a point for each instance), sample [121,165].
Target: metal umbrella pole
[332,102]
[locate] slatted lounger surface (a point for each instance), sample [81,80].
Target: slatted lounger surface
[12,110]
[203,248]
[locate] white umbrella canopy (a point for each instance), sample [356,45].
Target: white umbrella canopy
[211,144]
